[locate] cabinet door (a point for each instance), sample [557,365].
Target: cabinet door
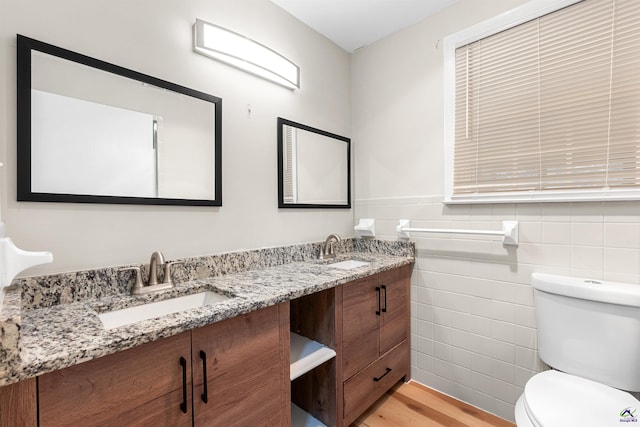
[18,404]
[246,370]
[394,325]
[142,386]
[360,338]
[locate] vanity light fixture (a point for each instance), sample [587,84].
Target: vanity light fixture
[241,52]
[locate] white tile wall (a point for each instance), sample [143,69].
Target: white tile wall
[472,313]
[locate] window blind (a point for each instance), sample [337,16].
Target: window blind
[551,104]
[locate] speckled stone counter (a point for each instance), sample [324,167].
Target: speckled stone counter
[57,316]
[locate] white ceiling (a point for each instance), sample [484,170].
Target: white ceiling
[352,24]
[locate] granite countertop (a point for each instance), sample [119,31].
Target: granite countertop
[64,335]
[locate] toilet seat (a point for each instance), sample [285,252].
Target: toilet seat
[553,398]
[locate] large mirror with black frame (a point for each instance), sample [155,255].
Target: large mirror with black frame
[93,132]
[314,167]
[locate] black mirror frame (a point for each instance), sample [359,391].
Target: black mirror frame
[24,193]
[281,204]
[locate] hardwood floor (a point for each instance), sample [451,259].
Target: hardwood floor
[418,406]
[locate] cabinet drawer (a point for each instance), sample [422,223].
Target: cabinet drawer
[364,388]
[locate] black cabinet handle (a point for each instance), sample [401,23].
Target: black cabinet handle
[205,394]
[376,379]
[379,295]
[384,288]
[183,405]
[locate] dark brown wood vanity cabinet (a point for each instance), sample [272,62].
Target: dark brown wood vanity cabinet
[375,338]
[367,322]
[243,361]
[241,370]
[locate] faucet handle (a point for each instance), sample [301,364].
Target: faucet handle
[167,271]
[137,285]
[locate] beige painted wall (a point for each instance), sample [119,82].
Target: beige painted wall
[154,37]
[473,316]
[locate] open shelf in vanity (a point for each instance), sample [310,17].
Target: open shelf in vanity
[314,360]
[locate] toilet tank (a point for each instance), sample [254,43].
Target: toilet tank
[589,328]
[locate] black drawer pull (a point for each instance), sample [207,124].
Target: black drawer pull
[384,288]
[183,405]
[205,394]
[379,295]
[376,379]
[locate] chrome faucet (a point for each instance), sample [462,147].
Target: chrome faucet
[327,250]
[140,288]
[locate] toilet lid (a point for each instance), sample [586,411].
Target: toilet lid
[553,398]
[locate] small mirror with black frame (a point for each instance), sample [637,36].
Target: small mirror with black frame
[314,167]
[93,132]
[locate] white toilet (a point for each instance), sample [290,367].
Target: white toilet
[589,333]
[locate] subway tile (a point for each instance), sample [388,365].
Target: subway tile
[503,269]
[627,211]
[587,211]
[471,323]
[525,316]
[503,351]
[503,291]
[461,376]
[529,211]
[424,312]
[522,375]
[461,212]
[429,211]
[425,346]
[524,295]
[622,277]
[556,233]
[528,358]
[442,368]
[481,382]
[482,400]
[504,211]
[618,260]
[530,232]
[425,296]
[425,329]
[441,316]
[503,331]
[425,377]
[622,235]
[425,362]
[503,390]
[587,258]
[504,311]
[587,233]
[556,255]
[530,253]
[481,364]
[503,371]
[461,357]
[442,351]
[588,274]
[558,212]
[481,212]
[505,409]
[526,337]
[442,334]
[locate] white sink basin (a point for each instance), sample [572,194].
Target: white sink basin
[127,316]
[349,264]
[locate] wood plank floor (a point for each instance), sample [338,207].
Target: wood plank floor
[418,406]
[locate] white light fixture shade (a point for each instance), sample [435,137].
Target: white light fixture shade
[241,52]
